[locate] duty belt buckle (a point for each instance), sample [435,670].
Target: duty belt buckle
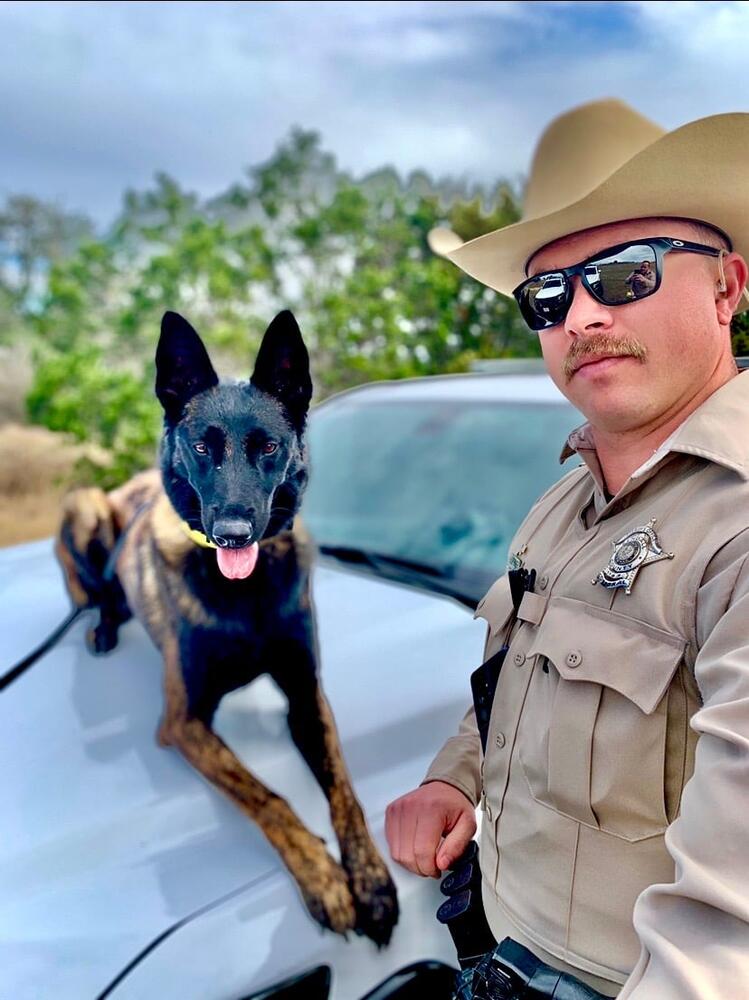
[500,982]
[491,981]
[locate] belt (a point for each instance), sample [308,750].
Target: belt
[512,972]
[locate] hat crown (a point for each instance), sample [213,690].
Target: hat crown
[580,149]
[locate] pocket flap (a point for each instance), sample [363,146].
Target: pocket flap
[586,643]
[496,606]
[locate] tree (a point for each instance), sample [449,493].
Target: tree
[35,234]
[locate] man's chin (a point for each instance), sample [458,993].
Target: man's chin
[618,417]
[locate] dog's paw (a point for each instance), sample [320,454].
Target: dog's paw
[375,896]
[326,894]
[101,640]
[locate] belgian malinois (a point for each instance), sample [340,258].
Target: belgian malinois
[205,553]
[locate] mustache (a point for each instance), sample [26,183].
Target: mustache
[601,346]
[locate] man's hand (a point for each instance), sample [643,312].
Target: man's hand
[416,823]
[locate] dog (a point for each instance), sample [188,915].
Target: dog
[205,552]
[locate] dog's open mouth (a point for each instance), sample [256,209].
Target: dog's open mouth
[237,564]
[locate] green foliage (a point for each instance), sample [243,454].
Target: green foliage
[400,311]
[349,256]
[740,335]
[33,235]
[79,393]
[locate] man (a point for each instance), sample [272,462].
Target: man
[642,280]
[614,786]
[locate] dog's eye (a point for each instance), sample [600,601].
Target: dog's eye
[201,448]
[269,447]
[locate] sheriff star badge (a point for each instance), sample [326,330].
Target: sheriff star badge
[631,552]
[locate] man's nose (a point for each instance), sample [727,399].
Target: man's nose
[586,314]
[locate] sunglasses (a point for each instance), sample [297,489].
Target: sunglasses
[615,276]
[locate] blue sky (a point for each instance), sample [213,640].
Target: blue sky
[95,97]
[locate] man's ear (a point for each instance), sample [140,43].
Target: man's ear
[183,368]
[282,368]
[734,270]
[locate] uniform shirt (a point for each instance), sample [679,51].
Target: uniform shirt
[615,787]
[641,282]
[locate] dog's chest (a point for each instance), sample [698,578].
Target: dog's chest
[247,609]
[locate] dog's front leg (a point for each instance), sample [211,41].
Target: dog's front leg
[313,729]
[322,882]
[88,532]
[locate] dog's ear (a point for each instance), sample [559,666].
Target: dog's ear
[282,367]
[183,368]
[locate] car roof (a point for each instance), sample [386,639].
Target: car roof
[476,387]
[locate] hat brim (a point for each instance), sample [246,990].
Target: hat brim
[442,241]
[699,171]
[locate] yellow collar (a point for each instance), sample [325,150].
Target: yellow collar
[197,536]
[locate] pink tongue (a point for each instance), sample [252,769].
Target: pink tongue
[237,564]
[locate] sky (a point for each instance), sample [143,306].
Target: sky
[97,97]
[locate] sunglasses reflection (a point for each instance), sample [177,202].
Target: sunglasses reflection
[641,281]
[551,295]
[614,281]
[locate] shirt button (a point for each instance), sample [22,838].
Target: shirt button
[500,740]
[543,583]
[518,659]
[574,659]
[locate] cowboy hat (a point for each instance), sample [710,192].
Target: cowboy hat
[603,162]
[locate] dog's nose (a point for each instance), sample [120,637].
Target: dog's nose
[232,533]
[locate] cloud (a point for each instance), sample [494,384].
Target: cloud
[97,96]
[718,30]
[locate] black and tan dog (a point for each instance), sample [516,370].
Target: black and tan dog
[205,554]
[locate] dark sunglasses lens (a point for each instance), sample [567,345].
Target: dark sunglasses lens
[623,277]
[543,300]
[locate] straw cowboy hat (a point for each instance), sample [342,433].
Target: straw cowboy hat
[603,162]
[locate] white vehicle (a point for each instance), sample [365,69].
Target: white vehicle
[123,874]
[546,297]
[592,273]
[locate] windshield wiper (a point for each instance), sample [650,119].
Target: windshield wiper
[368,557]
[406,570]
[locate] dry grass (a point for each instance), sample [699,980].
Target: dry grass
[36,468]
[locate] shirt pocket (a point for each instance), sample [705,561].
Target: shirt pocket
[592,734]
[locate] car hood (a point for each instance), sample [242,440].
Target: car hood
[108,841]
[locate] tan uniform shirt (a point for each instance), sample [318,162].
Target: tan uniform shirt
[615,787]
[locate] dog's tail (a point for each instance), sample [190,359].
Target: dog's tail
[10,675]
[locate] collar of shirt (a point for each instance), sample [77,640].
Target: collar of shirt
[714,431]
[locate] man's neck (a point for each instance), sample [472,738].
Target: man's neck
[621,454]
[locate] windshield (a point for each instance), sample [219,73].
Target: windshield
[439,483]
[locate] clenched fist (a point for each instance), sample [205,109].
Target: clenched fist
[416,823]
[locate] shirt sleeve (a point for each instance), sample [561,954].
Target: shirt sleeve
[459,761]
[694,933]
